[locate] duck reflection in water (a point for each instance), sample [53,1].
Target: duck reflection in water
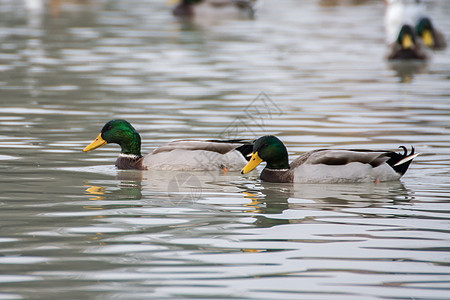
[128,188]
[406,70]
[407,56]
[271,201]
[268,201]
[171,188]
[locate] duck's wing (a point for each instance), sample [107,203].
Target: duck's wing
[397,161]
[341,157]
[199,156]
[440,42]
[350,166]
[217,146]
[244,147]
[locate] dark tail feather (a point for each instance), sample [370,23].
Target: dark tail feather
[237,141]
[400,162]
[246,149]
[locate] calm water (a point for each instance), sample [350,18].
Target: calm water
[73,227]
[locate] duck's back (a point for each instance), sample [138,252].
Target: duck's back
[341,166]
[196,156]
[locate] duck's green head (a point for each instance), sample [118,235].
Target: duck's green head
[406,38]
[424,29]
[269,149]
[118,132]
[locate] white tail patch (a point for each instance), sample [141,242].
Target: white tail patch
[406,159]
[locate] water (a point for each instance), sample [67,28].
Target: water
[73,227]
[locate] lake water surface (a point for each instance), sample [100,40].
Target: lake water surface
[74,227]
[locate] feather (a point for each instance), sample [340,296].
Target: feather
[406,159]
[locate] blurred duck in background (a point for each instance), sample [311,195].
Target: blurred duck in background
[399,13]
[407,46]
[412,13]
[214,9]
[432,37]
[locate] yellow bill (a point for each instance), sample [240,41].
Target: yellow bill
[428,38]
[99,141]
[407,42]
[252,164]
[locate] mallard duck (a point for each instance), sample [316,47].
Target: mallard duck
[413,13]
[407,46]
[187,155]
[327,165]
[432,37]
[214,8]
